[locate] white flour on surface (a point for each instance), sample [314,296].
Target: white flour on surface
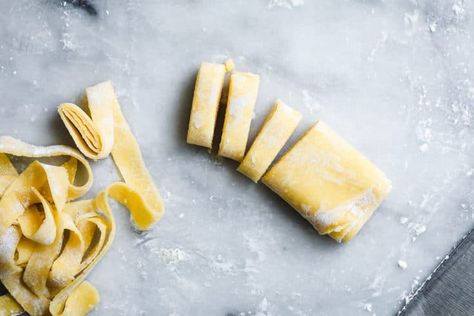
[172,256]
[402,264]
[310,102]
[400,84]
[287,4]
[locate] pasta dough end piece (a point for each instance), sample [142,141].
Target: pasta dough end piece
[207,95]
[329,183]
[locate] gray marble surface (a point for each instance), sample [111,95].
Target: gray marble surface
[395,78]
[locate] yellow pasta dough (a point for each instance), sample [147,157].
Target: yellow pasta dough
[39,184]
[8,306]
[207,95]
[279,124]
[49,240]
[243,91]
[329,183]
[108,124]
[42,274]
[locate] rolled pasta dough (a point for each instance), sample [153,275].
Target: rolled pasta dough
[329,183]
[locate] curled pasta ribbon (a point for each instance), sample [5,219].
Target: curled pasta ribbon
[48,242]
[121,193]
[15,147]
[106,131]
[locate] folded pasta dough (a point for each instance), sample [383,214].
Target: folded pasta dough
[42,270]
[328,182]
[106,131]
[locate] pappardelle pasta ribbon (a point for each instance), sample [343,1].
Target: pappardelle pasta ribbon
[106,131]
[49,240]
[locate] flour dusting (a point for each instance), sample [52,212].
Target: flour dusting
[172,256]
[287,4]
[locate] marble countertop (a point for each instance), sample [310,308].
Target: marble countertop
[395,78]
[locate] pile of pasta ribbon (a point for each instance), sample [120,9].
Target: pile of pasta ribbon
[50,240]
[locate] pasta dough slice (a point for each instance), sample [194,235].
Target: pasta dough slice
[329,183]
[243,91]
[279,124]
[207,95]
[107,131]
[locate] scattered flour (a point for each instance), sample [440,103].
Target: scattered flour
[262,308]
[368,307]
[171,256]
[402,264]
[141,265]
[416,229]
[67,42]
[379,45]
[238,107]
[287,4]
[255,248]
[420,229]
[403,220]
[198,121]
[310,102]
[223,265]
[458,9]
[423,147]
[411,22]
[470,172]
